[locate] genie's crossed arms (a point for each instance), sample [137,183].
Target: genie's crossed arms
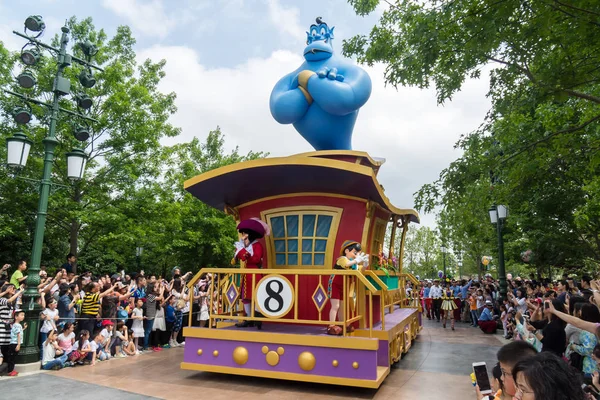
[336,86]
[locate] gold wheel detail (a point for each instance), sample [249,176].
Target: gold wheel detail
[240,355]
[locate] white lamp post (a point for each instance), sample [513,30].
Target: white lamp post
[76,160]
[18,146]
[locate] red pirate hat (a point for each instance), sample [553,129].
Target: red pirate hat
[253,224]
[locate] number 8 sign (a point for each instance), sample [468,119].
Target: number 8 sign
[274,296]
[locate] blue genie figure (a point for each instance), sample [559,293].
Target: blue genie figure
[322,97]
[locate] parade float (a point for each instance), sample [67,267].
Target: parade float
[270,316]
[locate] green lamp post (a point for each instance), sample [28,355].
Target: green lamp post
[18,147]
[497,216]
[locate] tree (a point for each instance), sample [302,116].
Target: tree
[133,117]
[173,227]
[132,193]
[537,150]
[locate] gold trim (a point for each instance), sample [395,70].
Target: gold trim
[355,153]
[402,243]
[320,285]
[270,276]
[283,338]
[393,236]
[305,161]
[382,373]
[390,334]
[300,194]
[379,237]
[300,211]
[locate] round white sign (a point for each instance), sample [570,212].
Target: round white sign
[274,296]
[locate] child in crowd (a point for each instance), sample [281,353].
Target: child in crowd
[137,315]
[170,317]
[123,346]
[51,351]
[179,305]
[504,319]
[159,327]
[3,365]
[106,333]
[97,351]
[49,317]
[81,348]
[67,338]
[16,339]
[473,307]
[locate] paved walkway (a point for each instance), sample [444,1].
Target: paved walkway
[436,367]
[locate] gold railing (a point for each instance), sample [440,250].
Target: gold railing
[221,309]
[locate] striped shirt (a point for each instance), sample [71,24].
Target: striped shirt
[91,305]
[5,319]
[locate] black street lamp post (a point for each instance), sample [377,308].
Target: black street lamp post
[497,216]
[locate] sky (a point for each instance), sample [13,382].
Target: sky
[225,56]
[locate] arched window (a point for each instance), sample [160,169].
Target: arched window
[302,236]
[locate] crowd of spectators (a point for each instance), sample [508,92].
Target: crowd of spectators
[553,328]
[90,318]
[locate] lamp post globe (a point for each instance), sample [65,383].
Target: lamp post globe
[86,79]
[26,80]
[17,149]
[82,133]
[22,115]
[76,161]
[35,23]
[84,101]
[30,56]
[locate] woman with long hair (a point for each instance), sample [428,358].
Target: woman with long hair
[546,376]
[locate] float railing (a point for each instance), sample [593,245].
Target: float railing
[224,297]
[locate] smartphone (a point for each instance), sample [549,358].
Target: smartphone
[482,378]
[546,305]
[522,320]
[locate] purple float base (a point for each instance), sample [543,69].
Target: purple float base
[288,362]
[383,353]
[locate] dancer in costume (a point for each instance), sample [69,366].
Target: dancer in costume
[448,305]
[250,253]
[426,299]
[435,294]
[351,257]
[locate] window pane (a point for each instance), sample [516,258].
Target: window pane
[319,259]
[278,227]
[308,225]
[307,245]
[280,259]
[320,245]
[280,246]
[307,259]
[292,259]
[323,225]
[292,245]
[292,225]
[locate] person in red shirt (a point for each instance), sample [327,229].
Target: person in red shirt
[250,252]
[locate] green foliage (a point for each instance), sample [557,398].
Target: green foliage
[538,150]
[132,193]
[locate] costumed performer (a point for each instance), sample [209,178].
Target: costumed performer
[435,294]
[448,305]
[249,252]
[351,257]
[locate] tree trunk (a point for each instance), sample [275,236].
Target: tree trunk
[74,232]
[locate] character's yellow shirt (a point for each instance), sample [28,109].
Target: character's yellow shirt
[344,262]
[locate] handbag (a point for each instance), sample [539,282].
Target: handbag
[576,361]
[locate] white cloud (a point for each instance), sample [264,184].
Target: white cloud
[146,17]
[286,19]
[406,127]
